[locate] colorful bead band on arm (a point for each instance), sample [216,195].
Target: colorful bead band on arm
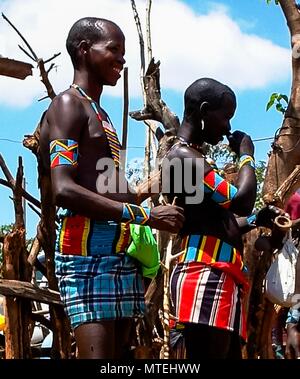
[222,192]
[246,159]
[63,152]
[134,214]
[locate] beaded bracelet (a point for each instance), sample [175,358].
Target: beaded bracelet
[134,214]
[246,159]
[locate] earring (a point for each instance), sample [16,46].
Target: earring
[202,125]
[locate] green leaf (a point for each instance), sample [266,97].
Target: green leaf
[270,104]
[272,99]
[269,1]
[280,108]
[274,96]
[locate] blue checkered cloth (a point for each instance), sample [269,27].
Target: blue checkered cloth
[104,287]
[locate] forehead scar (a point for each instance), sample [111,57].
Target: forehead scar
[99,25]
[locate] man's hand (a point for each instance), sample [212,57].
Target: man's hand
[292,350]
[167,217]
[266,216]
[240,143]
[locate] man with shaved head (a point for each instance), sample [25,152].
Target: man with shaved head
[101,287]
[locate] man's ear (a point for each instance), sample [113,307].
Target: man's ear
[204,108]
[83,47]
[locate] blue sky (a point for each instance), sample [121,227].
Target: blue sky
[244,44]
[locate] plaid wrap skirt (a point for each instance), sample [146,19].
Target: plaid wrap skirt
[99,288]
[97,280]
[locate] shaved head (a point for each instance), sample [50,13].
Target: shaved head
[90,29]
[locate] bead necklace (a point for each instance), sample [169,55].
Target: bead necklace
[190,144]
[110,132]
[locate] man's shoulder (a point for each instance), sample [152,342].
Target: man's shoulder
[66,106]
[66,115]
[65,99]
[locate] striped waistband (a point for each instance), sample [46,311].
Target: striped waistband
[79,235]
[209,250]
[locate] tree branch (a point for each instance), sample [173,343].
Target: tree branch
[19,212]
[50,59]
[140,33]
[6,172]
[26,52]
[292,15]
[45,79]
[35,210]
[25,194]
[40,62]
[148,29]
[156,109]
[125,112]
[28,290]
[23,39]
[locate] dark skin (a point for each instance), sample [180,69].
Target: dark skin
[292,350]
[201,218]
[208,217]
[70,116]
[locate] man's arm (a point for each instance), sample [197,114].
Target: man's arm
[293,334]
[239,198]
[244,199]
[66,118]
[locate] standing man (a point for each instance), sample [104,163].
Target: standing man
[208,280]
[101,287]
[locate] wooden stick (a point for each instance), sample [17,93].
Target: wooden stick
[24,40]
[28,290]
[35,249]
[125,115]
[141,38]
[165,350]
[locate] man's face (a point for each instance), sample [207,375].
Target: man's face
[217,122]
[106,57]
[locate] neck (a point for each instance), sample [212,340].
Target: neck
[88,84]
[188,133]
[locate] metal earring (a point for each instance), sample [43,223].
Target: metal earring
[202,125]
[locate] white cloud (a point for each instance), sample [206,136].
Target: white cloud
[188,45]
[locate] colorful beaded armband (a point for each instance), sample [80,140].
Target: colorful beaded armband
[246,159]
[134,214]
[63,152]
[222,192]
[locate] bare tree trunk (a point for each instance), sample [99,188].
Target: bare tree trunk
[286,149]
[61,347]
[17,310]
[285,154]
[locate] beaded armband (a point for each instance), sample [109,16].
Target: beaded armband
[221,191]
[134,214]
[246,159]
[63,152]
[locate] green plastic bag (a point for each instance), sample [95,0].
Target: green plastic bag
[143,247]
